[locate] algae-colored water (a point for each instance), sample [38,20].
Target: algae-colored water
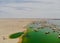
[41,37]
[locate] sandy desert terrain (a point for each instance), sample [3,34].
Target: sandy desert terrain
[9,26]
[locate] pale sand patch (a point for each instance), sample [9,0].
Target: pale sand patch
[9,26]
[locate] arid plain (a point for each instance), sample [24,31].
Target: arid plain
[9,26]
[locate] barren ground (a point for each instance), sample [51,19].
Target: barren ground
[9,26]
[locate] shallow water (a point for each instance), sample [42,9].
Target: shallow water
[41,37]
